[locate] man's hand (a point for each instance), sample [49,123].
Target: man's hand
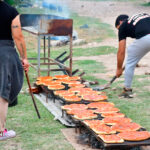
[25,65]
[119,72]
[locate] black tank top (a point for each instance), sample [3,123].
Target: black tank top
[135,27]
[7,14]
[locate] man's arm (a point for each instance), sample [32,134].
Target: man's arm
[120,57]
[19,41]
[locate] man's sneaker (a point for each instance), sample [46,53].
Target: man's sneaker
[126,93]
[7,134]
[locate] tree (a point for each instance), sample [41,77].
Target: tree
[13,2]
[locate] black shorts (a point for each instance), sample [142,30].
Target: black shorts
[11,71]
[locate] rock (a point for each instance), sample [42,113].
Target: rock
[147,73]
[79,42]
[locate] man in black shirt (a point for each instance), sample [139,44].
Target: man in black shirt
[11,68]
[138,27]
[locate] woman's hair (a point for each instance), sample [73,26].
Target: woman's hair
[120,18]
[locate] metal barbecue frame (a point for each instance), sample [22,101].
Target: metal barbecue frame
[47,26]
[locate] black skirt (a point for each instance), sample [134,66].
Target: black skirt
[11,71]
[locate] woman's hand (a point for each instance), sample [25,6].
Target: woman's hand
[25,65]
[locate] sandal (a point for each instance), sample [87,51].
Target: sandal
[126,93]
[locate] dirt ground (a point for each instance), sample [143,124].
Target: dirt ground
[73,138]
[107,12]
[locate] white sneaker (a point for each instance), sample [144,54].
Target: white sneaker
[7,135]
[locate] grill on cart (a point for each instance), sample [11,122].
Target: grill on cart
[84,131]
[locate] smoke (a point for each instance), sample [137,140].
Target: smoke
[53,7]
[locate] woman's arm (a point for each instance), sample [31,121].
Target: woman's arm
[19,41]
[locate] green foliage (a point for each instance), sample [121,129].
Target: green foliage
[14,2]
[9,1]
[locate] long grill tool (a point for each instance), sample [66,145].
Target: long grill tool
[27,77]
[106,86]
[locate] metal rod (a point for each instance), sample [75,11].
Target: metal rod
[62,54]
[27,77]
[82,74]
[75,71]
[33,66]
[49,40]
[44,47]
[71,55]
[61,69]
[38,59]
[44,64]
[67,57]
[60,64]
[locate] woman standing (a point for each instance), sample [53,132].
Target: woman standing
[11,66]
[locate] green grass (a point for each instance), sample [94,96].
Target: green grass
[94,51]
[102,50]
[86,64]
[33,133]
[96,30]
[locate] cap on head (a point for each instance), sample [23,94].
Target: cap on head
[120,18]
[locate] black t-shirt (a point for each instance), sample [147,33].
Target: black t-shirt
[7,14]
[135,27]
